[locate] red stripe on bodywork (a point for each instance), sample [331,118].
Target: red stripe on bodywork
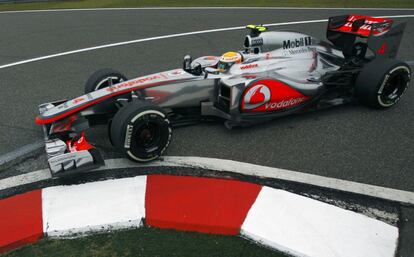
[20,220]
[205,205]
[40,120]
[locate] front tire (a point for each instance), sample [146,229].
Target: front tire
[382,82]
[102,79]
[141,131]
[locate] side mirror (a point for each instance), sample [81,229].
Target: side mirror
[187,63]
[196,69]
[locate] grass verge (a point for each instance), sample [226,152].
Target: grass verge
[148,242]
[171,3]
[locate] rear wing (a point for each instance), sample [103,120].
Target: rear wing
[379,33]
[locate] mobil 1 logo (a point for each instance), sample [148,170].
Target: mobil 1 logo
[297,42]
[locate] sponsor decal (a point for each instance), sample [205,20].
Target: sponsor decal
[367,24]
[258,41]
[128,136]
[297,42]
[78,100]
[381,50]
[256,96]
[250,76]
[176,73]
[381,26]
[210,58]
[270,95]
[284,103]
[132,83]
[249,66]
[302,50]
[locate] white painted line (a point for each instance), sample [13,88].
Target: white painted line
[24,179]
[397,16]
[288,175]
[146,40]
[96,206]
[167,36]
[220,165]
[8,157]
[206,8]
[304,227]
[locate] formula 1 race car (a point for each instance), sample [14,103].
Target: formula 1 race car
[278,73]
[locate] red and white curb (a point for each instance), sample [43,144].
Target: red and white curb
[282,220]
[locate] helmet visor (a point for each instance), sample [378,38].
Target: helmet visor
[224,66]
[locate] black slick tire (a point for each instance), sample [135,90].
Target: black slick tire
[141,131]
[382,83]
[103,78]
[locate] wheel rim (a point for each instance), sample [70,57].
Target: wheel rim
[393,87]
[108,82]
[149,136]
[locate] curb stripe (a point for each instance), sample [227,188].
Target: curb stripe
[20,220]
[93,207]
[206,205]
[305,227]
[220,165]
[276,218]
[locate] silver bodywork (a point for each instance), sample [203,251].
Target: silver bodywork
[281,72]
[295,59]
[300,65]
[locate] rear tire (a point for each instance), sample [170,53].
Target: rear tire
[382,82]
[141,131]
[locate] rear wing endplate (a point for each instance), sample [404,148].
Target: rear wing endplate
[381,36]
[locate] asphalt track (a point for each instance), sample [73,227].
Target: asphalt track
[350,142]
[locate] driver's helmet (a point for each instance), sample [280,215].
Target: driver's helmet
[227,60]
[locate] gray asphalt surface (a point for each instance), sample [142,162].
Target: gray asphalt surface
[349,142]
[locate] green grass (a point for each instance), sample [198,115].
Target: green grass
[148,242]
[153,3]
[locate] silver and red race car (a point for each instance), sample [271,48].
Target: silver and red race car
[278,73]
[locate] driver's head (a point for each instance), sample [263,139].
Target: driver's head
[227,60]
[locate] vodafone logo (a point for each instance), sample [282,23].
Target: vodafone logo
[78,100]
[256,96]
[249,66]
[131,83]
[284,103]
[269,95]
